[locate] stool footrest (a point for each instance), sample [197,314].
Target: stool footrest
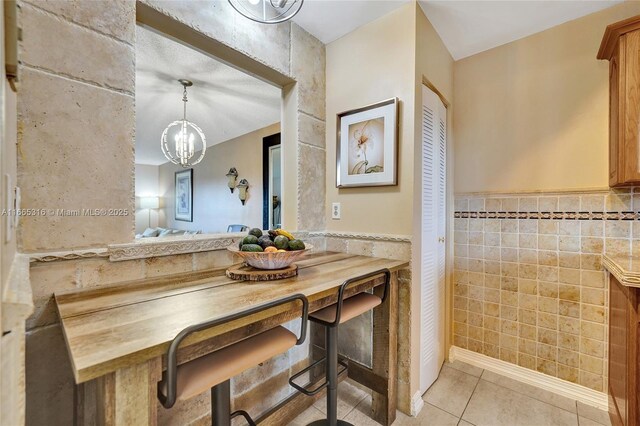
[244,414]
[319,387]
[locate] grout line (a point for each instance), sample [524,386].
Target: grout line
[312,145]
[311,116]
[68,20]
[354,407]
[472,393]
[69,77]
[308,114]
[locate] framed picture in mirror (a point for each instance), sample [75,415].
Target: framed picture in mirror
[367,145]
[184,195]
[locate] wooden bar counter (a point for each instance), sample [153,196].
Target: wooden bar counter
[117,335]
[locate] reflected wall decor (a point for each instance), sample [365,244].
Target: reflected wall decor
[184,195]
[367,145]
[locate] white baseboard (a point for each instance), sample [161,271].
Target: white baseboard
[416,404]
[531,377]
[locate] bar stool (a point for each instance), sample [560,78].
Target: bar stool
[330,317]
[215,370]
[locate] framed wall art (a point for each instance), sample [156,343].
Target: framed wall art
[366,154]
[184,195]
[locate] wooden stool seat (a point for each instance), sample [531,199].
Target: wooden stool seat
[201,374]
[351,308]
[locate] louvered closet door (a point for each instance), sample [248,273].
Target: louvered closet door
[433,228]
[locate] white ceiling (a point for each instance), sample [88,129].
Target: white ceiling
[328,20]
[466,27]
[470,27]
[224,102]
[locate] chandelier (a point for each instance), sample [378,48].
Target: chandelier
[180,138]
[267,11]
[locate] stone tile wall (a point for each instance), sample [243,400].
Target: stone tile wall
[82,105]
[76,150]
[529,286]
[360,328]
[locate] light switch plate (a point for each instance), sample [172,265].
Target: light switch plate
[335,211]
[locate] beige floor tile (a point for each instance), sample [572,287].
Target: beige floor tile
[532,391]
[360,415]
[583,421]
[349,395]
[308,416]
[451,391]
[465,368]
[429,416]
[592,413]
[493,405]
[463,423]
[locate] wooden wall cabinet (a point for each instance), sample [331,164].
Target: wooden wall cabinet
[623,353]
[621,47]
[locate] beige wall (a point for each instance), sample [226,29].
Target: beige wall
[394,55]
[214,206]
[434,67]
[533,114]
[371,64]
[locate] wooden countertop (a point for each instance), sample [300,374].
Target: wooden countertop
[626,269]
[112,327]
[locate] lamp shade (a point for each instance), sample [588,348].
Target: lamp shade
[149,202]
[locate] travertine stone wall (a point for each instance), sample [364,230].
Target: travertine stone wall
[530,288]
[76,150]
[76,111]
[76,121]
[360,328]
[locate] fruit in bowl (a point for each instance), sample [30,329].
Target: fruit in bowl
[276,249]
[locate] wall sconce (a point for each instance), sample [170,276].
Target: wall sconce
[232,176]
[243,186]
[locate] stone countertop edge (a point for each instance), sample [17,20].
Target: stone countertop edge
[626,269]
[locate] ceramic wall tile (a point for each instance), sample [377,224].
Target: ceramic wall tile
[544,252]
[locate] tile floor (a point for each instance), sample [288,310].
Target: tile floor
[466,395]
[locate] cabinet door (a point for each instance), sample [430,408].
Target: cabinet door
[618,349]
[623,361]
[630,115]
[614,121]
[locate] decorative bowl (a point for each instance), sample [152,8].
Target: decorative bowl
[275,260]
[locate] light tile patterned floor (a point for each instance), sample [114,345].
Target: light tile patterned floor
[465,395]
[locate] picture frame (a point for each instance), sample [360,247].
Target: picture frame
[367,145]
[184,195]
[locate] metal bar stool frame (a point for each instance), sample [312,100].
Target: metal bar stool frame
[331,352]
[221,393]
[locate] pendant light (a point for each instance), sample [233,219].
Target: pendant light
[182,139]
[267,11]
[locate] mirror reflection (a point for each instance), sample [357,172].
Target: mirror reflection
[208,157]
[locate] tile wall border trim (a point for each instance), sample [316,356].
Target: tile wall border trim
[193,244]
[362,236]
[533,193]
[67,255]
[532,377]
[568,215]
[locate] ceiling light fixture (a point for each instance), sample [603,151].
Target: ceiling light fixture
[180,138]
[267,11]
